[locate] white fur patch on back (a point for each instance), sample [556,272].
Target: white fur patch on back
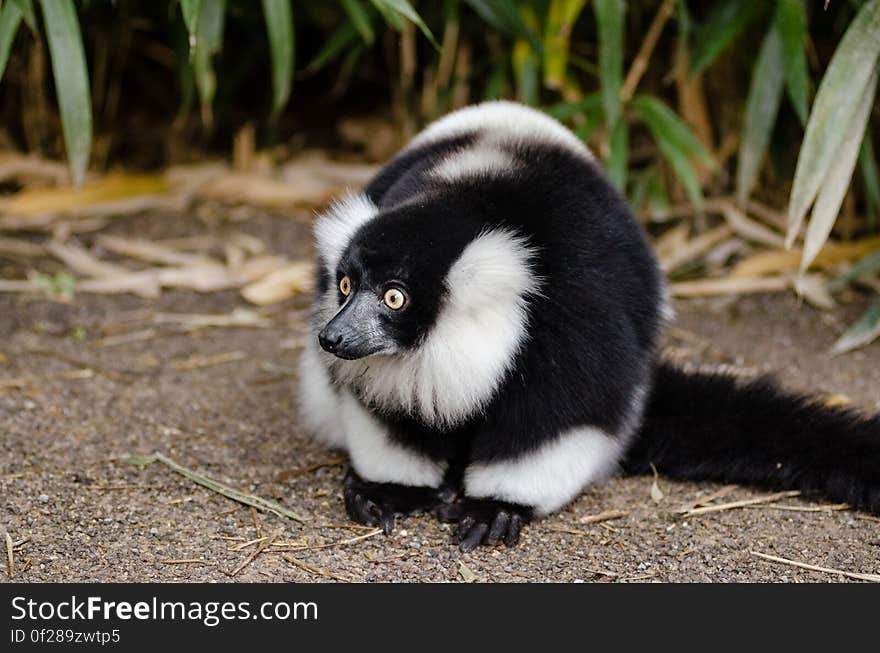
[335,228]
[553,475]
[474,342]
[509,122]
[376,457]
[474,161]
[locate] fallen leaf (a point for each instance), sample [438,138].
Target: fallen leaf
[466,573]
[281,284]
[814,288]
[781,261]
[656,493]
[111,188]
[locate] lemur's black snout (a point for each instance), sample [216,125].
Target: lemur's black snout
[330,340]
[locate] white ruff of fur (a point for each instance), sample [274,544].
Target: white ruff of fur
[335,228]
[551,476]
[463,359]
[509,122]
[318,399]
[479,160]
[376,457]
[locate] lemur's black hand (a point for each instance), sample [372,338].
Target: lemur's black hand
[378,504]
[485,521]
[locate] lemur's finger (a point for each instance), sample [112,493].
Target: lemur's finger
[499,528]
[513,529]
[387,521]
[474,537]
[364,511]
[464,526]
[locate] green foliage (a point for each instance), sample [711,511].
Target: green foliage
[190,10]
[677,143]
[791,25]
[60,285]
[10,17]
[279,27]
[26,7]
[71,82]
[864,331]
[762,106]
[871,178]
[561,17]
[835,130]
[727,20]
[360,19]
[609,17]
[397,12]
[208,41]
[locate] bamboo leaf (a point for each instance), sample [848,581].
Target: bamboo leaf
[526,66]
[725,23]
[190,10]
[344,36]
[835,184]
[10,17]
[791,24]
[568,110]
[871,179]
[610,20]
[619,155]
[868,265]
[71,82]
[762,107]
[498,79]
[504,16]
[404,9]
[561,17]
[863,332]
[654,111]
[26,7]
[279,27]
[266,505]
[360,19]
[209,40]
[677,143]
[840,92]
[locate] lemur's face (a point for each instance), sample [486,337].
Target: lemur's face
[389,285]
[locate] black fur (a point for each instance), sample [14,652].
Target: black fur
[712,427]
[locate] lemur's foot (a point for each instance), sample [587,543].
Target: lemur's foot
[485,521]
[378,504]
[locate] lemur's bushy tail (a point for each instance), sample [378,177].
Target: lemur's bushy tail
[713,427]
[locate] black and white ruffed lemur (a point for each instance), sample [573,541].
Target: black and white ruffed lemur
[485,338]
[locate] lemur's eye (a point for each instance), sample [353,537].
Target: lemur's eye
[345,286]
[394,298]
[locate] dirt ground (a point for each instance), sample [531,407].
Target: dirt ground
[75,511]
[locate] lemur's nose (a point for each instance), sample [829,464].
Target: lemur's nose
[330,341]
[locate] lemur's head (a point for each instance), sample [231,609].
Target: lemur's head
[393,279]
[388,286]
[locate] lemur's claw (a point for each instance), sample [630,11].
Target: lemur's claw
[485,521]
[378,504]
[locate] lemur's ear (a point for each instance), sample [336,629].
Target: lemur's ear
[335,228]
